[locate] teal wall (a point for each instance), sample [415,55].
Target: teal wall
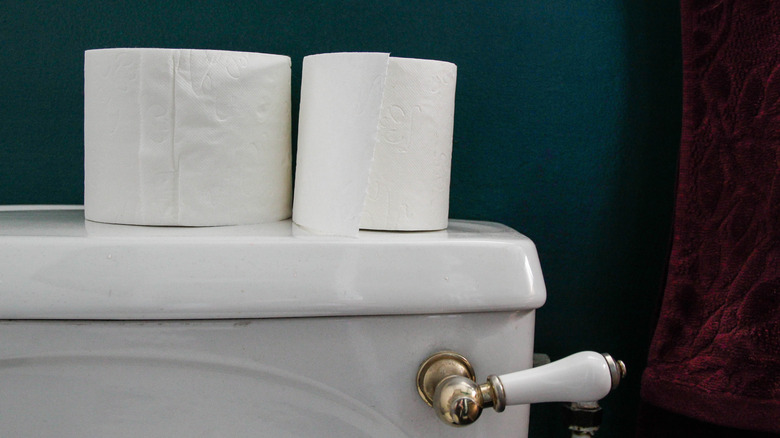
[567,128]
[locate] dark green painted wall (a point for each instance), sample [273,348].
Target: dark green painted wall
[567,128]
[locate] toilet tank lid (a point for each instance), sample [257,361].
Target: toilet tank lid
[56,265]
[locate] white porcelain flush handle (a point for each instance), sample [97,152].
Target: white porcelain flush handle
[584,376]
[458,400]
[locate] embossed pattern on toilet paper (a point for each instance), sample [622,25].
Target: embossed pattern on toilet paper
[186,137]
[409,182]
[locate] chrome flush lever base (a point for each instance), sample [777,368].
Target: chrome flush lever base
[446,381]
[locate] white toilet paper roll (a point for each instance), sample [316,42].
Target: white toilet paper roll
[374,143]
[186,137]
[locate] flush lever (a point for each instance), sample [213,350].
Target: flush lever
[446,381]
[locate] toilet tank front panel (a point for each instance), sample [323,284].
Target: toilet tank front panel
[287,377]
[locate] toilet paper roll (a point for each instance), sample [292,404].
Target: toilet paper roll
[186,137]
[374,143]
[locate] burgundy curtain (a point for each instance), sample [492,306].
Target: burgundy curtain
[715,355]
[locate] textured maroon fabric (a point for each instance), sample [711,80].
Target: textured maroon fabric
[715,355]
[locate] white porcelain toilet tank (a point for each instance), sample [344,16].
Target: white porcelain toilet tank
[131,331]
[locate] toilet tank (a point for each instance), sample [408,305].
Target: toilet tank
[112,330]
